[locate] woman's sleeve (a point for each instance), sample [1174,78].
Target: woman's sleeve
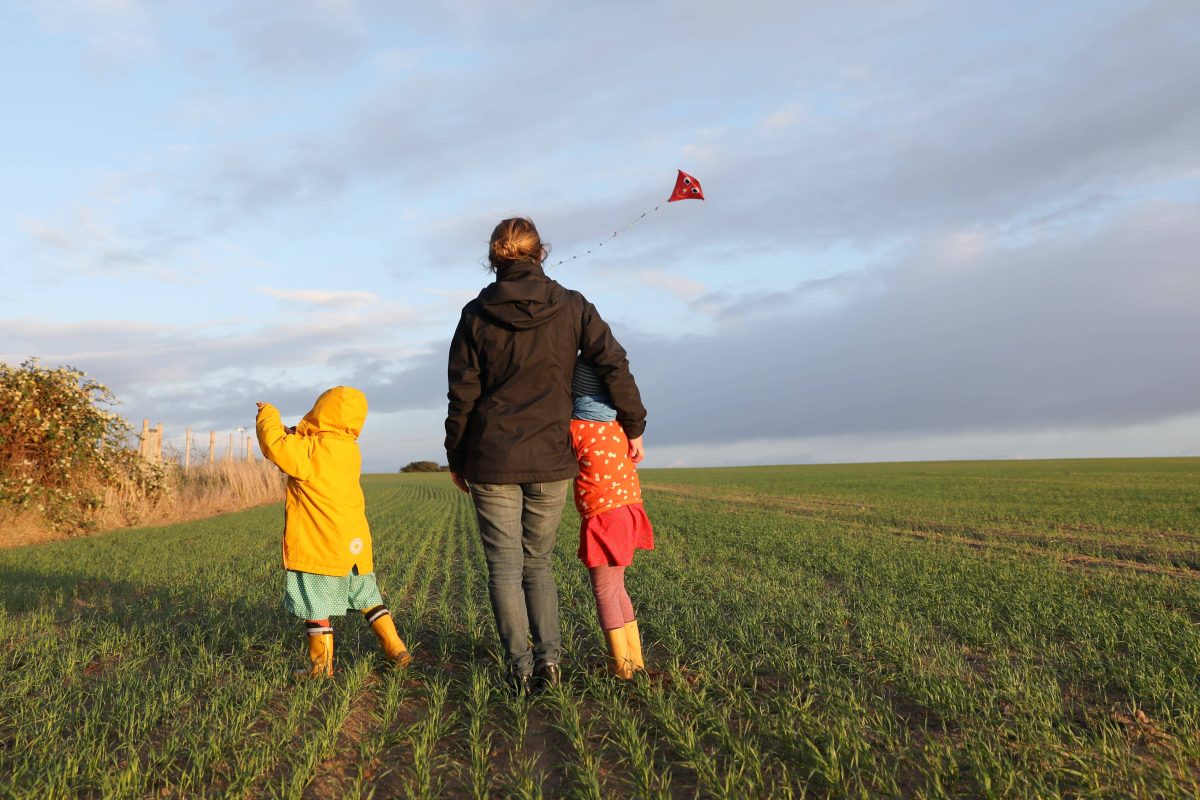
[285,450]
[599,346]
[463,375]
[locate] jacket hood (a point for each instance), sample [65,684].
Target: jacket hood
[340,410]
[522,297]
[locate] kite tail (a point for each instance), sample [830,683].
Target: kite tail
[615,234]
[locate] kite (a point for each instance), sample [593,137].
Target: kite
[686,188]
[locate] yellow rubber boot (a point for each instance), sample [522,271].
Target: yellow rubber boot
[393,646]
[634,638]
[619,662]
[320,653]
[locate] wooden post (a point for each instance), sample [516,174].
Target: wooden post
[229,450]
[144,440]
[212,446]
[249,448]
[158,437]
[187,450]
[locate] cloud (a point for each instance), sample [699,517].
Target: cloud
[786,117]
[911,152]
[614,107]
[993,164]
[301,37]
[728,306]
[816,137]
[321,297]
[681,287]
[116,33]
[84,243]
[987,148]
[170,370]
[393,381]
[1080,328]
[1175,437]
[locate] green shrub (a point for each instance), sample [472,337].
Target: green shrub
[61,451]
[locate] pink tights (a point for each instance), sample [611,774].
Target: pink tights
[612,601]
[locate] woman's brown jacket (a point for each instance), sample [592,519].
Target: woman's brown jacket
[510,369]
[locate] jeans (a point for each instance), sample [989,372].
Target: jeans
[518,523]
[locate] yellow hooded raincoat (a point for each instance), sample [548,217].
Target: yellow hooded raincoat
[325,522]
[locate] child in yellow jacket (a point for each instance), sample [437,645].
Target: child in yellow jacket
[326,539]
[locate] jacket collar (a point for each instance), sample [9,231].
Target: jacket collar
[520,270]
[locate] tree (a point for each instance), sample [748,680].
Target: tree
[421,466]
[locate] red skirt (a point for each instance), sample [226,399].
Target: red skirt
[609,538]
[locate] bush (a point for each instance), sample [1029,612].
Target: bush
[61,451]
[421,466]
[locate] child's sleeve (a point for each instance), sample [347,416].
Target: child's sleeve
[285,450]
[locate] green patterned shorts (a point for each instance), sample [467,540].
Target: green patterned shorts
[311,596]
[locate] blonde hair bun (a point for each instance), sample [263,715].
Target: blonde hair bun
[516,239]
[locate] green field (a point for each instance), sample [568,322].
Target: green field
[1014,629]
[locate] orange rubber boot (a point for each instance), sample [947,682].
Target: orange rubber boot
[634,638]
[619,662]
[394,649]
[320,652]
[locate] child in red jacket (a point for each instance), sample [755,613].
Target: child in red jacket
[608,496]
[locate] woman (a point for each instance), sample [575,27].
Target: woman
[508,433]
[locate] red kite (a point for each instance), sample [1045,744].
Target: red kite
[686,188]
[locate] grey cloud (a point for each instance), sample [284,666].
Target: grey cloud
[417,382]
[878,150]
[1076,125]
[1079,329]
[729,306]
[1075,330]
[83,243]
[390,384]
[509,126]
[188,377]
[986,147]
[286,39]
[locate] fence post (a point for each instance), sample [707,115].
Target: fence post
[249,448]
[158,437]
[144,440]
[229,450]
[187,451]
[212,446]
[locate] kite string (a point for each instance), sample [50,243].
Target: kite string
[616,233]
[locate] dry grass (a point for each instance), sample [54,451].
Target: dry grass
[203,491]
[18,528]
[220,488]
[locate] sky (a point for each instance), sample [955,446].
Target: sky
[932,229]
